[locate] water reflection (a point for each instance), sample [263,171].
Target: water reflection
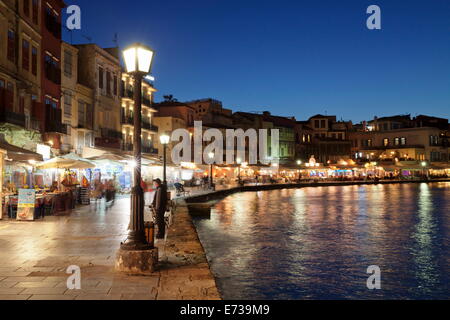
[318,242]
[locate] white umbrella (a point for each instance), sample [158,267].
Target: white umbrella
[61,163]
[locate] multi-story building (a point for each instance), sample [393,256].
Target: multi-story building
[77,104]
[20,70]
[401,138]
[99,70]
[286,126]
[323,137]
[211,112]
[149,130]
[172,115]
[49,110]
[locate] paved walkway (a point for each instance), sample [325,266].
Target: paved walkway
[35,255]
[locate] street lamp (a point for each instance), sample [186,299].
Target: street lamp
[165,139]
[138,60]
[239,161]
[211,156]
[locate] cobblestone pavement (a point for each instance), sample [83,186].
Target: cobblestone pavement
[34,257]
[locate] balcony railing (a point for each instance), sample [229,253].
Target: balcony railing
[53,122]
[110,133]
[146,101]
[12,117]
[148,126]
[149,150]
[56,127]
[127,119]
[128,147]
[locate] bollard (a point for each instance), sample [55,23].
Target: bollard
[150,233]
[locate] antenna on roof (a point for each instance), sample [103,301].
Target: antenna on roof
[87,38]
[116,39]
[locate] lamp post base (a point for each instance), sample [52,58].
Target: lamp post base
[137,262]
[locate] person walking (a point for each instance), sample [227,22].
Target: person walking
[160,206]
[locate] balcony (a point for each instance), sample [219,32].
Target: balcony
[382,148]
[146,101]
[12,117]
[128,147]
[56,127]
[110,133]
[127,119]
[148,126]
[53,122]
[149,150]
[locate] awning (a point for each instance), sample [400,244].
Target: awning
[62,163]
[17,154]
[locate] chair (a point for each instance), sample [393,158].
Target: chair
[180,189]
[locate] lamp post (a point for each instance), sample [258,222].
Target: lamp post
[165,139]
[239,161]
[211,181]
[299,163]
[136,255]
[424,165]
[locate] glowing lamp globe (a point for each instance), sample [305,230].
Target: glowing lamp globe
[138,58]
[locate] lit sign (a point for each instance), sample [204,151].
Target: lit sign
[44,151]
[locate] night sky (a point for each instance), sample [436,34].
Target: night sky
[293,58]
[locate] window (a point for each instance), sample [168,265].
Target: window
[397,141]
[115,85]
[386,142]
[34,60]
[67,105]
[51,23]
[403,141]
[21,104]
[25,55]
[100,77]
[68,63]
[49,101]
[434,140]
[26,7]
[323,123]
[2,84]
[52,71]
[317,123]
[81,114]
[35,11]
[11,46]
[108,83]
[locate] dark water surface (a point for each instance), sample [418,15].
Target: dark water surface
[317,243]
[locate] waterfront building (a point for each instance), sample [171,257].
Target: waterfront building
[149,130]
[20,71]
[211,112]
[285,155]
[77,105]
[99,69]
[323,137]
[400,138]
[172,115]
[49,110]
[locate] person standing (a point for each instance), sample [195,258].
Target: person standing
[160,206]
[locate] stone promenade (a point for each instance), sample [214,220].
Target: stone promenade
[34,257]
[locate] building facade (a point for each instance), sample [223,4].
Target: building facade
[20,71]
[99,70]
[49,111]
[400,138]
[149,130]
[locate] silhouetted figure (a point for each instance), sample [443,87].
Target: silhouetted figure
[160,206]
